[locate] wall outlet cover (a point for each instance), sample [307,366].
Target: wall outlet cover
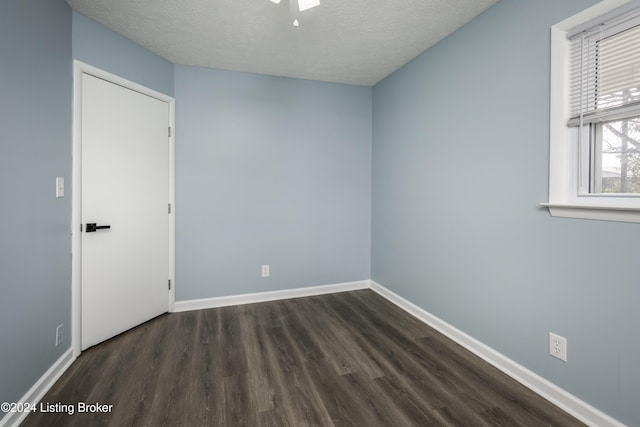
[59,335]
[558,346]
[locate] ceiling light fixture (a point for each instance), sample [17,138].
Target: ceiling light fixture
[302,5]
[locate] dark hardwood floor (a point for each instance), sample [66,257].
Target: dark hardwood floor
[348,359]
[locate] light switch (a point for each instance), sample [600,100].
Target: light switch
[59,187]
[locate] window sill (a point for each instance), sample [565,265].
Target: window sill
[601,213]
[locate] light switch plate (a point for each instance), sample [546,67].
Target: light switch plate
[59,187]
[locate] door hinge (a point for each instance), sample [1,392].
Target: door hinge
[169,131]
[169,207]
[169,284]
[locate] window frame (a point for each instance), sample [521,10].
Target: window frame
[566,196]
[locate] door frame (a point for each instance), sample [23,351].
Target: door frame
[80,68]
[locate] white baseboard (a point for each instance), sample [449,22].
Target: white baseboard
[556,395]
[200,304]
[40,388]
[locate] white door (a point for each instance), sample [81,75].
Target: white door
[125,186]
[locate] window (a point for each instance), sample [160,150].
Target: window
[615,158]
[595,114]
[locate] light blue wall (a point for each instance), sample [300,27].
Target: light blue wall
[35,148]
[274,171]
[460,164]
[99,46]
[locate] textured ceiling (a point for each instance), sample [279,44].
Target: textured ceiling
[344,41]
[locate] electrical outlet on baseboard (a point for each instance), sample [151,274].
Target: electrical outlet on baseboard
[59,334]
[558,346]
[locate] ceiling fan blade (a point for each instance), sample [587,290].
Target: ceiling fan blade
[307,4]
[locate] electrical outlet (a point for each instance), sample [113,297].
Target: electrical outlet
[59,334]
[558,346]
[265,271]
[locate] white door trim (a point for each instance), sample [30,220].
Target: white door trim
[80,68]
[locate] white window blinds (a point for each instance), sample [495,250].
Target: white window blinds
[605,71]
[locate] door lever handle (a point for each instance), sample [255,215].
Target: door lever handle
[92,227]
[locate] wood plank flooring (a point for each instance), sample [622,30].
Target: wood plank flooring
[347,359]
